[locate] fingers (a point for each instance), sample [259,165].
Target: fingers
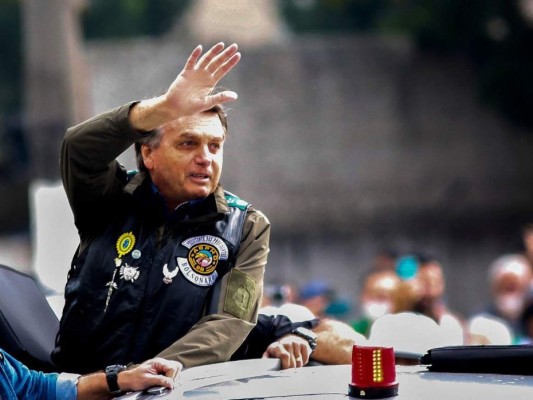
[216,61]
[276,350]
[155,372]
[292,354]
[209,55]
[298,347]
[298,356]
[227,66]
[160,380]
[191,91]
[224,62]
[193,58]
[170,368]
[220,98]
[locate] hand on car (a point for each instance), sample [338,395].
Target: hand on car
[293,351]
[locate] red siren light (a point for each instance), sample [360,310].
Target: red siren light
[373,373]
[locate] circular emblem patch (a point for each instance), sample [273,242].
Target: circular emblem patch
[203,258]
[125,243]
[204,254]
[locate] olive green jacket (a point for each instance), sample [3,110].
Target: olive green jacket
[94,179]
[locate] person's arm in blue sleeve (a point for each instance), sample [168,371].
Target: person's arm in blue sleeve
[66,386]
[20,382]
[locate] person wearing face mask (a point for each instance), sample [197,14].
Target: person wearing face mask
[376,299]
[510,282]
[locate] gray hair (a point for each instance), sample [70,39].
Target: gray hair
[514,263]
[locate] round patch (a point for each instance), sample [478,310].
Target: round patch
[203,258]
[125,243]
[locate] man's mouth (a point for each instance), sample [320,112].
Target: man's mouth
[199,176]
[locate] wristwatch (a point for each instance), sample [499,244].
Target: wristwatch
[306,334]
[111,375]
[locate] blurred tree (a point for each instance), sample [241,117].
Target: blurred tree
[102,19]
[10,49]
[305,16]
[122,18]
[12,149]
[495,35]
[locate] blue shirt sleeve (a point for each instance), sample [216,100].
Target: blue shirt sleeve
[66,387]
[25,383]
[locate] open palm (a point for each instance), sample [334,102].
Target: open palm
[191,91]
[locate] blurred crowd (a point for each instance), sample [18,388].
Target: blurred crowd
[402,302]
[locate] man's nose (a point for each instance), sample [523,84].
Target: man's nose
[203,156]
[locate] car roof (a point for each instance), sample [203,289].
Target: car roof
[252,379]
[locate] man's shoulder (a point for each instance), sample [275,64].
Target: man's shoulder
[232,200]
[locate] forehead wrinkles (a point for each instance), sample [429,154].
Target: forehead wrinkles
[199,125]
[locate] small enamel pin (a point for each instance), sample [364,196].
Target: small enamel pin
[129,273]
[168,274]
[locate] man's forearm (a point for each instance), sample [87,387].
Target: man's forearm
[335,342]
[148,115]
[212,341]
[93,387]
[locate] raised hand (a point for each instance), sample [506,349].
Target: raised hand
[191,91]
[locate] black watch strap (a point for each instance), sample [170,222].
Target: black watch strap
[308,335]
[111,375]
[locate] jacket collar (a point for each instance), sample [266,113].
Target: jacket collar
[211,207]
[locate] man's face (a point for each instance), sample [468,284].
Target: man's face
[187,163]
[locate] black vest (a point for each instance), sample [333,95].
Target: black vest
[137,288]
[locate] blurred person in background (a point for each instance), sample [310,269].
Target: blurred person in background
[376,299]
[277,300]
[432,302]
[385,259]
[316,295]
[527,240]
[409,290]
[409,331]
[509,278]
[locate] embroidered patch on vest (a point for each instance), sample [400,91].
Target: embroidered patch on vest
[240,295]
[234,201]
[204,254]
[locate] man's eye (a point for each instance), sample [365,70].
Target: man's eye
[215,146]
[187,143]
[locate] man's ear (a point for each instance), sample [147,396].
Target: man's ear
[146,152]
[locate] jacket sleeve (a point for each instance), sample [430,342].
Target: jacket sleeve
[237,299]
[91,175]
[269,329]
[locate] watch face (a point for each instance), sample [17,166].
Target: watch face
[115,368]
